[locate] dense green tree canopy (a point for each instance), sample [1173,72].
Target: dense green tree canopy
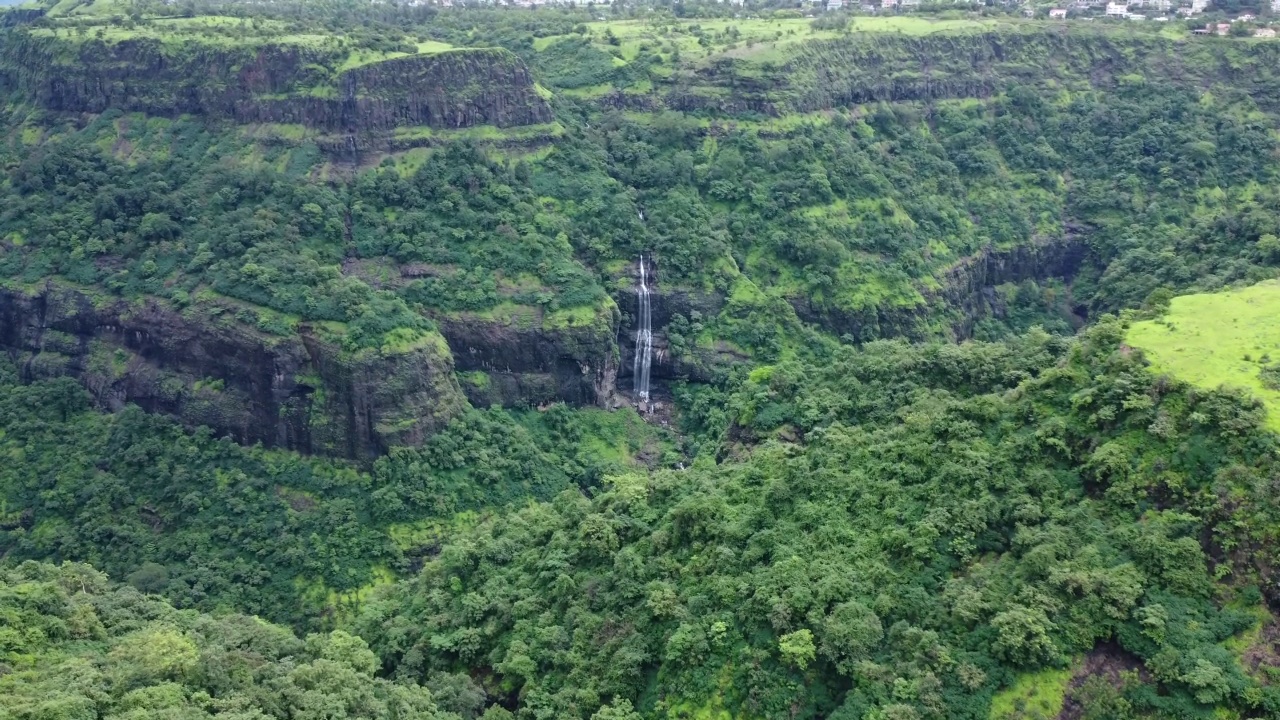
[900,464]
[897,532]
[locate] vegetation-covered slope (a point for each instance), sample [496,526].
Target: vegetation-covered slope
[884,221]
[75,646]
[921,524]
[1219,339]
[216,526]
[831,525]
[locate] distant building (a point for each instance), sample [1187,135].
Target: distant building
[1116,9]
[1058,13]
[1264,33]
[1245,18]
[1198,6]
[908,3]
[1275,6]
[1161,5]
[835,4]
[1223,28]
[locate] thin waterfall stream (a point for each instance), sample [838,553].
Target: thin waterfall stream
[644,337]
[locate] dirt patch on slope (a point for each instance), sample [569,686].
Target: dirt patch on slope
[1107,660]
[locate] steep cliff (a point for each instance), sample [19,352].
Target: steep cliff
[525,357]
[959,297]
[285,83]
[874,67]
[667,303]
[958,301]
[302,392]
[12,17]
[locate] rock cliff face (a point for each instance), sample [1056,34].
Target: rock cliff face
[665,304]
[892,67]
[13,17]
[963,298]
[302,392]
[962,292]
[460,88]
[273,83]
[532,362]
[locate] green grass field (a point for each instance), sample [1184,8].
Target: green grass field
[222,31]
[1218,339]
[754,38]
[1032,696]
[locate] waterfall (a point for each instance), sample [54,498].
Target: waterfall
[644,338]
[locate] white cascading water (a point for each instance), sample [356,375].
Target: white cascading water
[644,338]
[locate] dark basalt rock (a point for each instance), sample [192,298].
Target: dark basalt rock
[274,83]
[965,296]
[530,364]
[963,292]
[665,304]
[300,392]
[864,68]
[13,17]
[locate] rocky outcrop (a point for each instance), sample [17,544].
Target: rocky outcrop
[273,83]
[667,303]
[302,392]
[460,88]
[962,295]
[530,359]
[863,68]
[966,285]
[13,17]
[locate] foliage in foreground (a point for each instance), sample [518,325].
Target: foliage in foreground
[213,525]
[894,535]
[1214,339]
[74,646]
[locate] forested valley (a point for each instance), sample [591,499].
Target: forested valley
[323,328]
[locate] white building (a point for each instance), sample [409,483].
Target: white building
[1198,6]
[1058,13]
[1116,9]
[835,4]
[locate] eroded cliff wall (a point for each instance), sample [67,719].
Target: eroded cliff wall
[302,392]
[893,67]
[533,360]
[272,83]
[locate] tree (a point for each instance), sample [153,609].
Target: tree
[849,634]
[797,648]
[1022,636]
[619,709]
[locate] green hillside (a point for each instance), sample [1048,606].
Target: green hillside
[1219,339]
[957,326]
